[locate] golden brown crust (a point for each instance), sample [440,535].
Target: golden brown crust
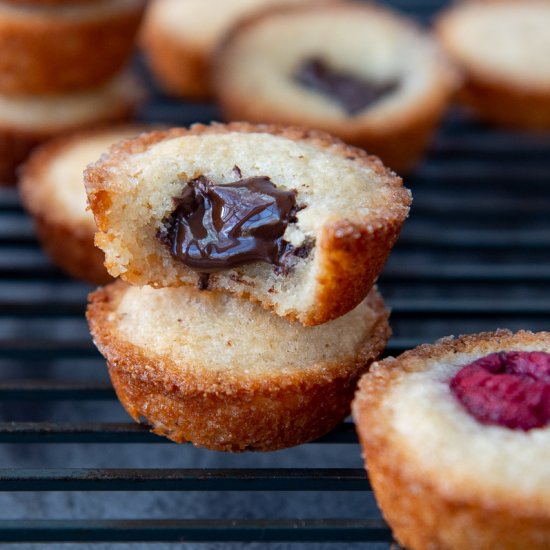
[399,144]
[231,412]
[353,253]
[62,54]
[421,513]
[506,105]
[181,69]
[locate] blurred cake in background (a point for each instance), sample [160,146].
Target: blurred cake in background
[66,48]
[62,68]
[502,48]
[52,192]
[360,72]
[26,121]
[179,37]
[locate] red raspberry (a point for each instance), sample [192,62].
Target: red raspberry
[510,389]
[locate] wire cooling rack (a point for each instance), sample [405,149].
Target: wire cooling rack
[473,256]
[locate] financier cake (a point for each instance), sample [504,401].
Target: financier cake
[355,70]
[26,121]
[52,191]
[62,48]
[293,219]
[456,438]
[179,37]
[502,48]
[224,373]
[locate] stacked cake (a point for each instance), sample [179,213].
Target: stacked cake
[246,311]
[62,68]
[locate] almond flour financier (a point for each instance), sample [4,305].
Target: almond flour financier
[456,438]
[357,71]
[503,50]
[27,121]
[179,37]
[224,373]
[52,191]
[293,219]
[65,48]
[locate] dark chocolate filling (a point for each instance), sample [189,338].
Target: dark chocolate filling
[352,92]
[218,227]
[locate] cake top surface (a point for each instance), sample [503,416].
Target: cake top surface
[220,332]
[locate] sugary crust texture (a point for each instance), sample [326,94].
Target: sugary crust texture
[197,404]
[492,97]
[17,143]
[352,253]
[399,143]
[64,54]
[422,513]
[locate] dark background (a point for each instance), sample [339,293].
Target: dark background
[472,257]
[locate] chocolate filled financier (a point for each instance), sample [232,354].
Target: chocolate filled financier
[456,439]
[292,219]
[355,70]
[213,367]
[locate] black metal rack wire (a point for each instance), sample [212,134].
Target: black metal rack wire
[473,256]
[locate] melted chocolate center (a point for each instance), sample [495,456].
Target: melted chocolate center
[509,389]
[352,92]
[218,227]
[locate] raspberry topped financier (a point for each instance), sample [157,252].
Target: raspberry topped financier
[456,438]
[502,47]
[224,373]
[293,219]
[355,70]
